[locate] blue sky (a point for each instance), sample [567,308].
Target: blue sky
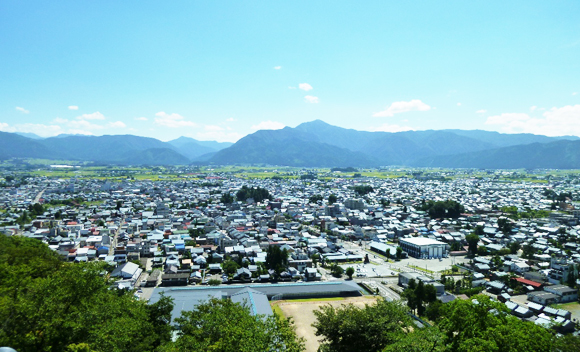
[218,70]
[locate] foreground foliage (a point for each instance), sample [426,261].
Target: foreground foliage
[47,305]
[370,329]
[224,326]
[465,326]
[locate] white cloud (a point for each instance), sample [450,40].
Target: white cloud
[172,120]
[305,86]
[555,122]
[311,99]
[291,87]
[59,120]
[507,118]
[212,128]
[94,116]
[403,106]
[83,125]
[277,67]
[231,119]
[38,129]
[574,93]
[458,104]
[482,111]
[268,125]
[22,110]
[73,107]
[391,128]
[532,108]
[141,119]
[116,124]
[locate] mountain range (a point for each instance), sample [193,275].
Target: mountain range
[312,144]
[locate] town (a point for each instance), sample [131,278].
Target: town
[305,233]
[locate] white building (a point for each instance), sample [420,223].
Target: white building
[421,247]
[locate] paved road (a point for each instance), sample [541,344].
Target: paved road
[384,291]
[38,196]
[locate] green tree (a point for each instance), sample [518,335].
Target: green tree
[419,340]
[571,280]
[258,194]
[486,325]
[372,328]
[399,253]
[332,199]
[315,198]
[230,267]
[514,247]
[350,272]
[227,198]
[48,305]
[336,270]
[472,241]
[276,259]
[225,326]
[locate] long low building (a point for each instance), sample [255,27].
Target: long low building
[424,248]
[256,296]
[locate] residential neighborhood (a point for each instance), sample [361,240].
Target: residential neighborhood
[218,235]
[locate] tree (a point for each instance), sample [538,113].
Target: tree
[486,325]
[514,247]
[349,328]
[350,272]
[363,190]
[276,259]
[571,280]
[336,270]
[226,198]
[528,251]
[315,198]
[472,241]
[258,194]
[420,340]
[315,259]
[48,305]
[230,267]
[332,199]
[443,209]
[399,252]
[225,326]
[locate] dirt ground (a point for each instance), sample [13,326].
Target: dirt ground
[303,315]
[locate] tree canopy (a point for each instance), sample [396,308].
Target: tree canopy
[443,209]
[256,193]
[224,326]
[48,305]
[369,329]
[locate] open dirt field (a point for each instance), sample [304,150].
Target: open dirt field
[302,313]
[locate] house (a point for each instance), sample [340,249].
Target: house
[243,274]
[127,271]
[175,279]
[565,293]
[543,298]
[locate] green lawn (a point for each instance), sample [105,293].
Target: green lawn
[277,309]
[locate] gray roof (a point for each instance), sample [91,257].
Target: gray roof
[189,297]
[255,300]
